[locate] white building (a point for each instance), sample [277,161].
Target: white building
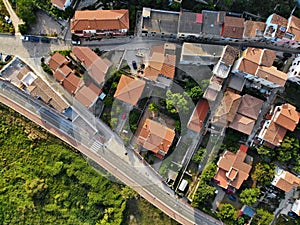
[61,4]
[294,71]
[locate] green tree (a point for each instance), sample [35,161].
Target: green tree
[288,149]
[249,196]
[264,173]
[198,156]
[177,102]
[263,217]
[195,93]
[153,107]
[209,172]
[227,213]
[203,194]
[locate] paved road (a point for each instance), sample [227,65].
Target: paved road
[64,129]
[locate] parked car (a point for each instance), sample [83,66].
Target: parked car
[123,116]
[24,38]
[45,40]
[8,57]
[232,198]
[134,65]
[76,42]
[34,39]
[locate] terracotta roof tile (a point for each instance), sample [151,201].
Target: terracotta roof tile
[57,60]
[262,57]
[129,89]
[253,28]
[232,170]
[250,106]
[59,3]
[155,137]
[287,117]
[233,27]
[100,20]
[200,112]
[272,74]
[294,27]
[230,54]
[88,94]
[247,66]
[96,66]
[274,134]
[62,72]
[227,109]
[242,124]
[71,83]
[285,181]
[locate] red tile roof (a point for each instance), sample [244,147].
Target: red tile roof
[250,106]
[242,124]
[233,27]
[71,83]
[294,27]
[59,3]
[156,137]
[287,117]
[100,20]
[62,72]
[252,28]
[96,66]
[129,89]
[285,181]
[233,170]
[274,134]
[272,74]
[88,94]
[200,112]
[57,60]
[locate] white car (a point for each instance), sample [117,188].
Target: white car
[76,42]
[24,38]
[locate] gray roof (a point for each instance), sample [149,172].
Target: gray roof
[236,82]
[188,24]
[212,22]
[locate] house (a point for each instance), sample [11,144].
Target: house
[190,24]
[233,27]
[199,115]
[247,114]
[62,72]
[95,65]
[212,91]
[236,83]
[223,67]
[57,60]
[254,29]
[256,65]
[284,180]
[294,71]
[212,22]
[161,63]
[296,207]
[293,28]
[233,169]
[275,26]
[71,83]
[156,138]
[129,89]
[227,109]
[162,22]
[61,4]
[200,54]
[284,117]
[88,94]
[100,23]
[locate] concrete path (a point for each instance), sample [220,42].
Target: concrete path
[13,17]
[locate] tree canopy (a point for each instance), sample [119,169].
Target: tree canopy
[227,213]
[263,217]
[264,173]
[249,196]
[177,102]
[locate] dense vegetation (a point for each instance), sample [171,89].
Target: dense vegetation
[5,27]
[43,182]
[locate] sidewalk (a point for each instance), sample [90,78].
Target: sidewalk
[13,17]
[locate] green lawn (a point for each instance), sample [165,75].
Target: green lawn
[4,26]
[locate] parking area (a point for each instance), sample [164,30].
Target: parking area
[140,56]
[47,25]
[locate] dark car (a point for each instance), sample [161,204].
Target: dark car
[134,65]
[232,198]
[8,57]
[45,40]
[34,39]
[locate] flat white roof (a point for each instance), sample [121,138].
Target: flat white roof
[183,185]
